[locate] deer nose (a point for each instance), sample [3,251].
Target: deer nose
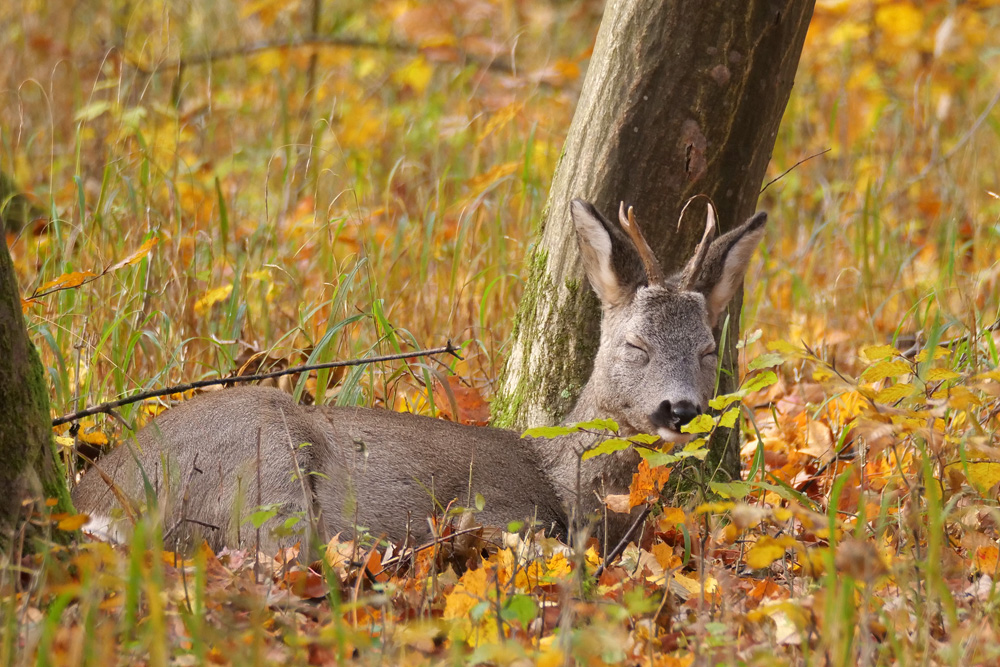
[674,416]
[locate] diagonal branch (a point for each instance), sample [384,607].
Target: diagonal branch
[448,348]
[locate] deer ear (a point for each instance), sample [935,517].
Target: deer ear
[725,265]
[601,248]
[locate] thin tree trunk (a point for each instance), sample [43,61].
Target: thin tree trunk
[30,469]
[681,98]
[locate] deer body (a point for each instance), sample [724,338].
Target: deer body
[654,371]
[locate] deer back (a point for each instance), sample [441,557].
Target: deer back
[383,471]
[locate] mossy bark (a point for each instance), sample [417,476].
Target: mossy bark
[681,98]
[30,469]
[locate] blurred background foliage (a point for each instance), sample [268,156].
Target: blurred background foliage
[326,179]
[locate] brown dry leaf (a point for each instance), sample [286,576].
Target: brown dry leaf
[859,559]
[618,503]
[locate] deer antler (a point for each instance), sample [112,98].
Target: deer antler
[654,274]
[694,266]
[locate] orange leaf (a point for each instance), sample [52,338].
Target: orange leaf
[646,483]
[67,281]
[306,584]
[137,255]
[986,559]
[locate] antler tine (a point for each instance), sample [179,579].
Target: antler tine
[654,274]
[694,267]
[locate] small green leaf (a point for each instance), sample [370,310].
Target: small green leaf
[549,431]
[759,381]
[607,447]
[599,425]
[655,459]
[480,502]
[700,424]
[521,608]
[769,360]
[263,514]
[735,490]
[644,439]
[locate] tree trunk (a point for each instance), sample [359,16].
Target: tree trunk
[681,98]
[30,468]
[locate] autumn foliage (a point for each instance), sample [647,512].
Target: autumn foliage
[222,184]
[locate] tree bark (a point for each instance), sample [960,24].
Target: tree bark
[30,468]
[681,98]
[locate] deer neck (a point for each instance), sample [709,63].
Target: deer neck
[609,473]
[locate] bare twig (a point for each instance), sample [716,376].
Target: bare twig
[408,553]
[788,171]
[620,547]
[111,405]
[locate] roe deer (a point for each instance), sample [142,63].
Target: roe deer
[654,372]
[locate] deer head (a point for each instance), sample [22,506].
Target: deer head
[655,368]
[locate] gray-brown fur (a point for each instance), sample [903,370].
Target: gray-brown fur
[654,371]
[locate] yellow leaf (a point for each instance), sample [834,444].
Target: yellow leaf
[74,522]
[941,374]
[896,392]
[822,374]
[885,369]
[468,592]
[138,255]
[558,566]
[960,398]
[874,353]
[67,281]
[93,438]
[901,20]
[499,119]
[984,476]
[767,550]
[714,508]
[416,74]
[212,297]
[939,353]
[65,441]
[785,349]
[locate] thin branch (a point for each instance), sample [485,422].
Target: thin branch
[620,547]
[111,405]
[314,41]
[408,553]
[787,171]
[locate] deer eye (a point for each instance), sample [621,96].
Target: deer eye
[635,352]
